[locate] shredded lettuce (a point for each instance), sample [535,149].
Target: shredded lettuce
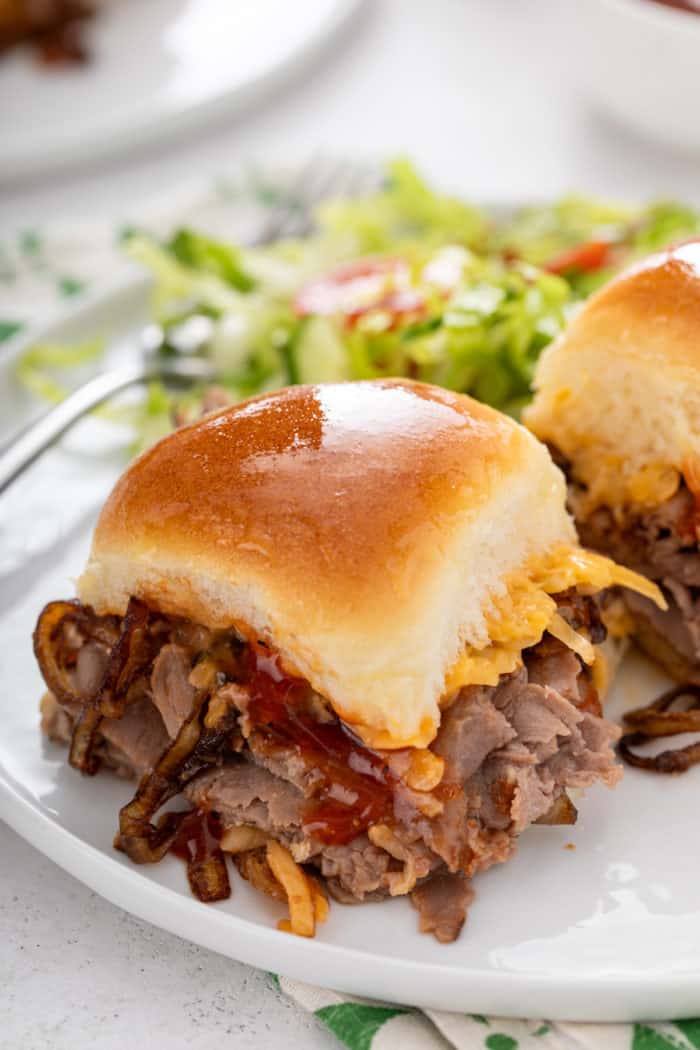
[539,235]
[36,369]
[405,216]
[664,223]
[484,340]
[489,294]
[209,256]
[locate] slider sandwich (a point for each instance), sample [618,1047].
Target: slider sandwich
[52,25]
[353,627]
[618,402]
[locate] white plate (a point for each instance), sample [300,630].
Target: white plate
[638,62]
[607,931]
[158,67]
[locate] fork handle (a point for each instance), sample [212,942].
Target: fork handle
[38,436]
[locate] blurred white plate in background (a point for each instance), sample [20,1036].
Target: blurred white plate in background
[157,68]
[639,62]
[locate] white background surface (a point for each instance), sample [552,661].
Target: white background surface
[186,61]
[480,93]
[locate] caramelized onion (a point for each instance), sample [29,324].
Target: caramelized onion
[254,868]
[129,657]
[56,665]
[142,841]
[197,843]
[47,647]
[133,652]
[82,755]
[192,750]
[656,721]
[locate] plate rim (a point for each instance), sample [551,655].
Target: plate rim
[602,997]
[56,155]
[393,980]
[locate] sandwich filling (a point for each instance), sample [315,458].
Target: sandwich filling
[275,778]
[53,27]
[656,535]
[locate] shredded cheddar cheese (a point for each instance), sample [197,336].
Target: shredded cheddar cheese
[601,673]
[520,616]
[558,627]
[425,770]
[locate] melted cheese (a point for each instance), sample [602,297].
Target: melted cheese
[610,482]
[519,617]
[483,667]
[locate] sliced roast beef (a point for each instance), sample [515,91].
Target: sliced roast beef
[56,722]
[671,636]
[442,903]
[356,872]
[559,668]
[172,692]
[510,753]
[138,739]
[129,745]
[661,543]
[245,793]
[471,729]
[90,668]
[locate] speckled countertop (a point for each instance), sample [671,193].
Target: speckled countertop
[76,972]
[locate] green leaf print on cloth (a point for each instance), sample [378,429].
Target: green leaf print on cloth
[501,1042]
[646,1038]
[356,1024]
[691,1030]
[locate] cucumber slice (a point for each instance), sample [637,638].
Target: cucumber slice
[319,354]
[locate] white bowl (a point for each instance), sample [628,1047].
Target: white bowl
[639,61]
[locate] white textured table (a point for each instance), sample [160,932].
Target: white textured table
[479,92]
[76,972]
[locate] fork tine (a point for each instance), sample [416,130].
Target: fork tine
[341,180]
[370,179]
[290,202]
[317,180]
[327,180]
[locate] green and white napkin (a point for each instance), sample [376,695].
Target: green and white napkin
[364,1025]
[41,270]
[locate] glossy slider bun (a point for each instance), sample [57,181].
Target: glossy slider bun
[379,534]
[619,392]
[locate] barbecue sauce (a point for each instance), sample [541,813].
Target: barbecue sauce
[356,788]
[197,843]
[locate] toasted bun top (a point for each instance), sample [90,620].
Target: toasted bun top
[363,529]
[619,392]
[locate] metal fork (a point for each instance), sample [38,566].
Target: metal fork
[291,217]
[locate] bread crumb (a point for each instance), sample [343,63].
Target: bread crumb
[569,845]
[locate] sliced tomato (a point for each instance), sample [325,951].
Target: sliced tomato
[584,258]
[354,289]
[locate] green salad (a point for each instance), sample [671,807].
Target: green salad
[405,282]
